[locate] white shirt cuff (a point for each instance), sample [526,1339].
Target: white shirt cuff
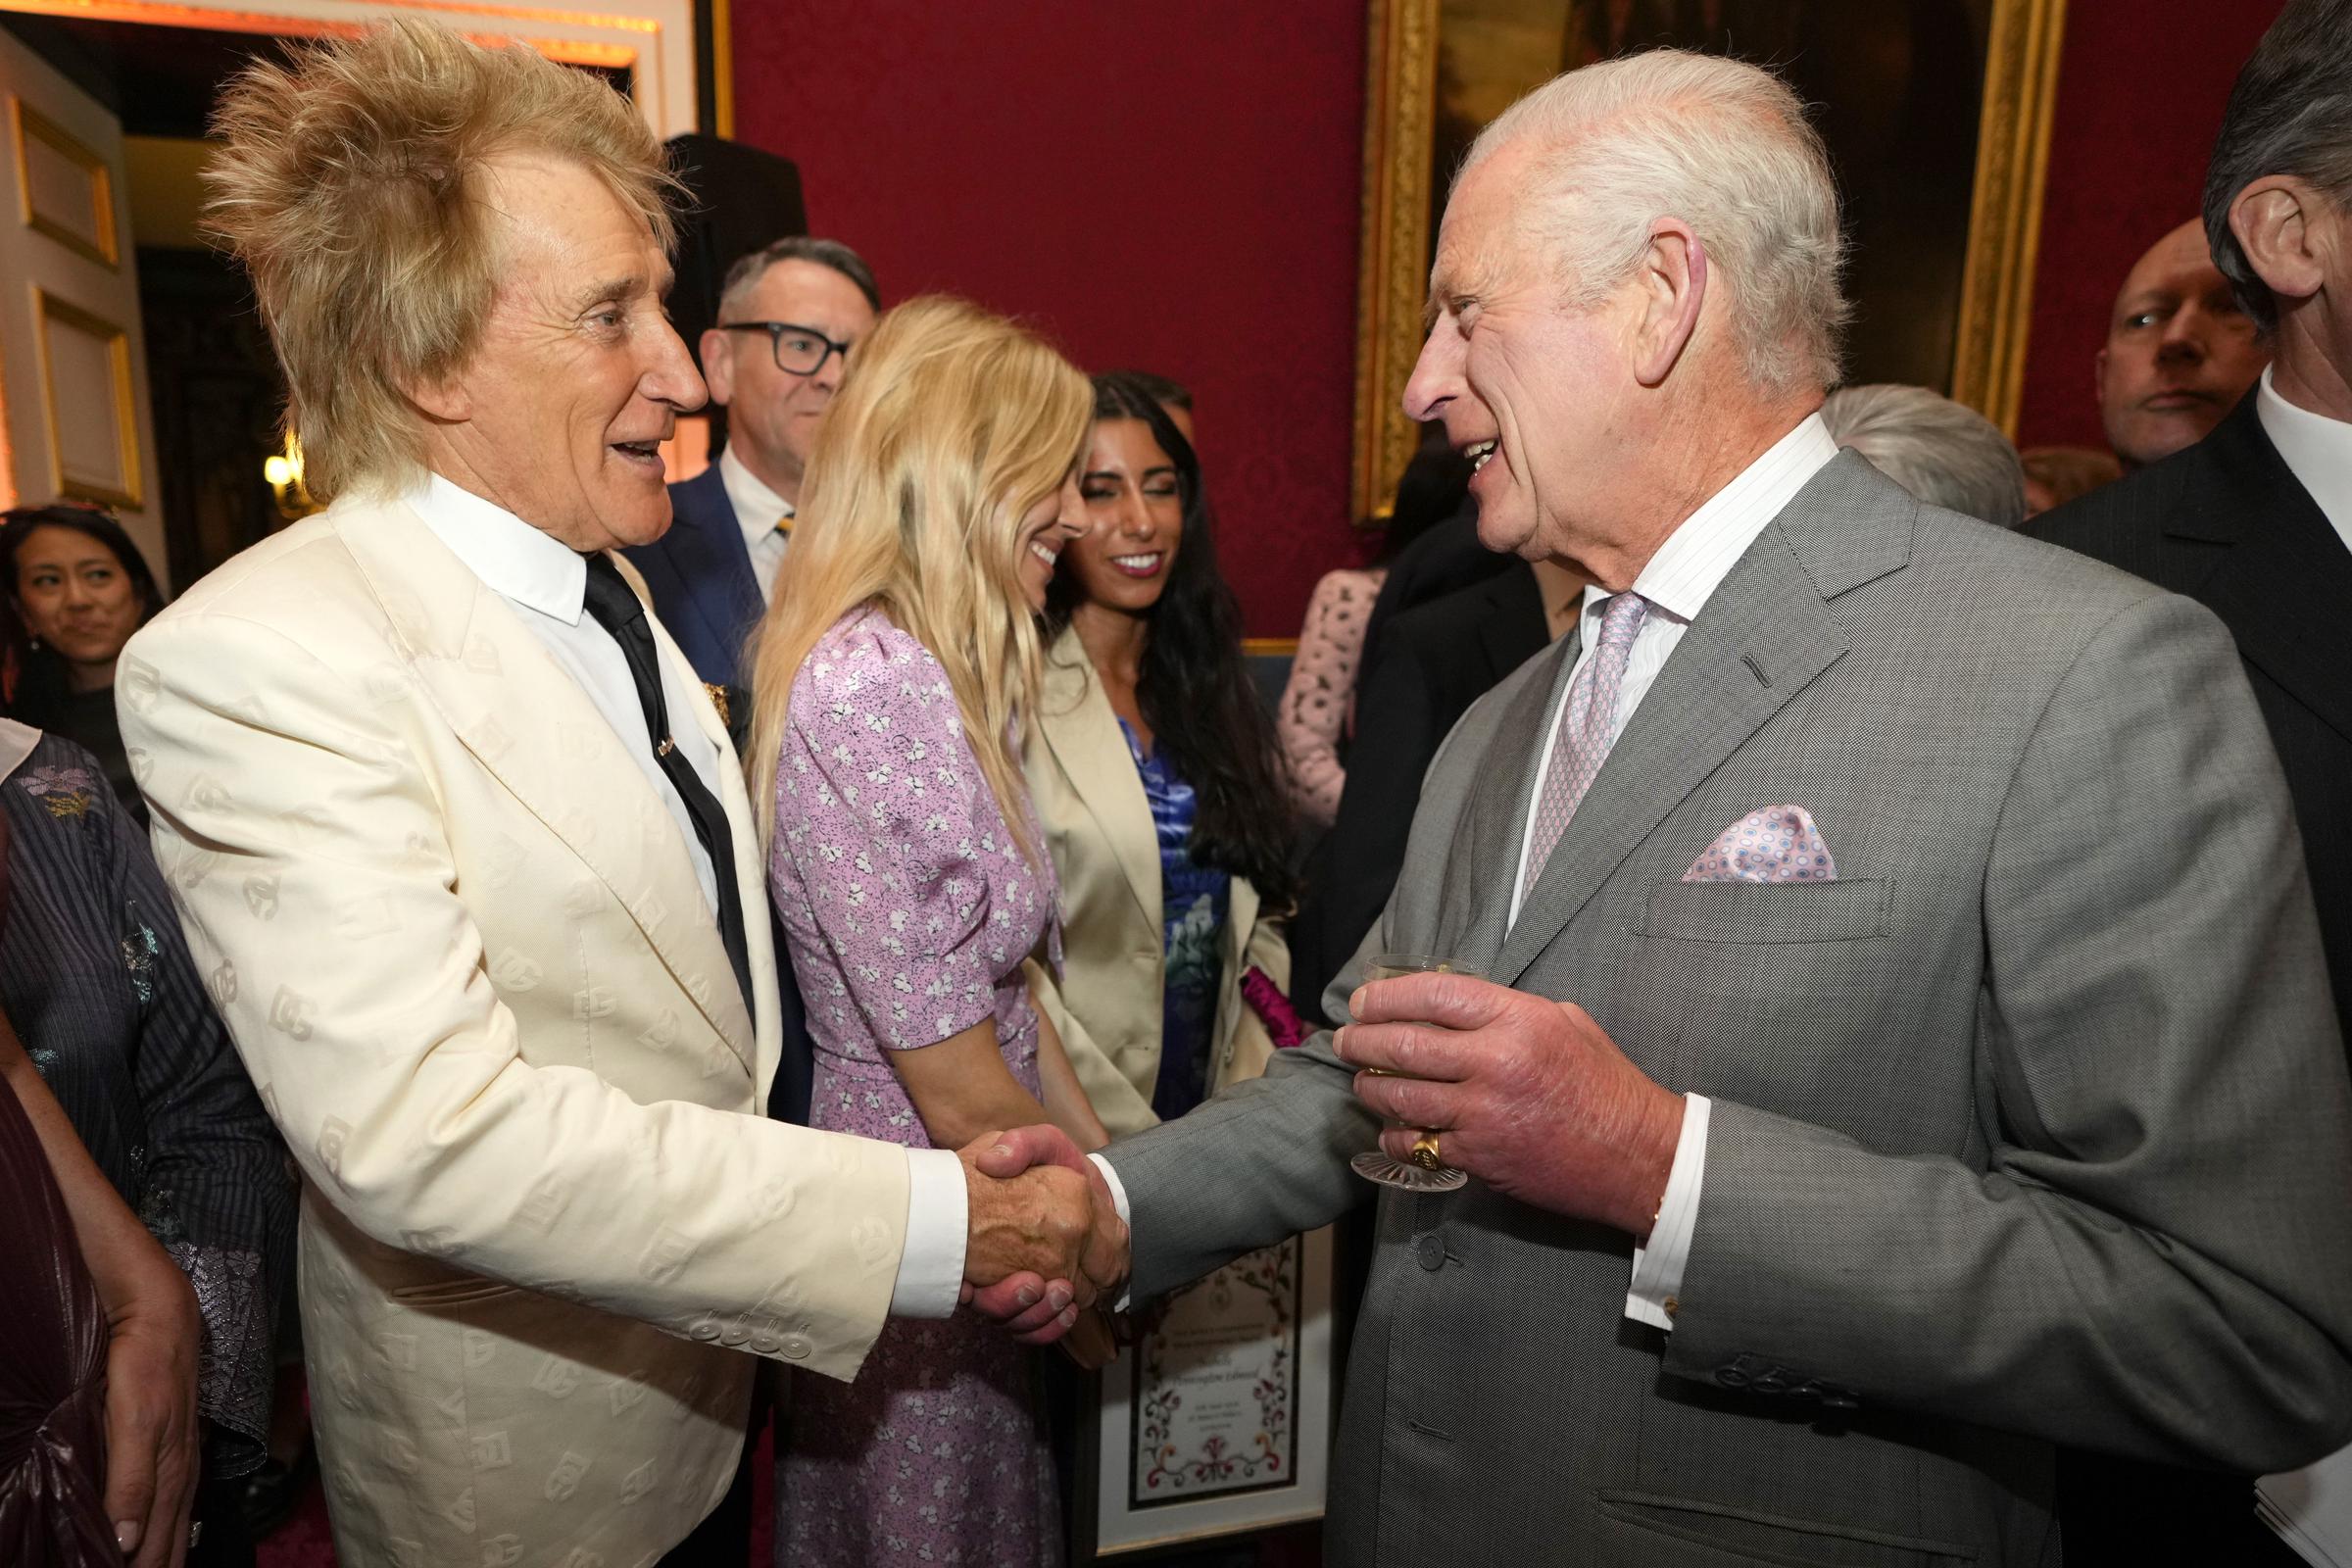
[1118,1195]
[1658,1267]
[930,1279]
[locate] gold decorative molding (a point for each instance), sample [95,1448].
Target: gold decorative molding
[1401,98]
[228,18]
[47,309]
[1269,647]
[2004,219]
[722,68]
[98,244]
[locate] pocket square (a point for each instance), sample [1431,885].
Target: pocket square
[1771,844]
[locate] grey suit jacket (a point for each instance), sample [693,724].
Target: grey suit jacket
[2031,1127]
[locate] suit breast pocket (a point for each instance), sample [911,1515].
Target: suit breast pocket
[1768,912]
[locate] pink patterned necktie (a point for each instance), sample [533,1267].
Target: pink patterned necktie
[1586,729]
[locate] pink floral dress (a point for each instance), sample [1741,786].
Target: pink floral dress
[910,910]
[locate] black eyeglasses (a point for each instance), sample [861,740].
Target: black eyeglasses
[798,350]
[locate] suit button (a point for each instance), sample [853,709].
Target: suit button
[1731,1376]
[1431,1250]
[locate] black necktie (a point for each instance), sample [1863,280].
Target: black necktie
[617,609]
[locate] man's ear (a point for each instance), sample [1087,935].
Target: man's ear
[719,364]
[2099,375]
[445,399]
[2274,220]
[1672,278]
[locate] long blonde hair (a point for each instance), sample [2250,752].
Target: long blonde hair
[951,424]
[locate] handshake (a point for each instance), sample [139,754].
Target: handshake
[1047,1253]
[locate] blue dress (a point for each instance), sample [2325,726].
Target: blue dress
[1193,902]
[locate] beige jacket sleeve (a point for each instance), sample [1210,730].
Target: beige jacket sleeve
[332,875]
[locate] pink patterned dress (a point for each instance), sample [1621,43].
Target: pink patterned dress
[910,910]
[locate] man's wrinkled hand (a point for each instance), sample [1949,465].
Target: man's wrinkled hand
[1528,1095]
[1041,1248]
[1030,1148]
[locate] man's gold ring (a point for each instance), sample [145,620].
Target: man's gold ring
[1425,1152]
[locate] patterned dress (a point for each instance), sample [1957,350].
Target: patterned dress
[1194,901]
[98,981]
[1319,703]
[910,910]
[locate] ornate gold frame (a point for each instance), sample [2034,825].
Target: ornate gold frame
[723,67]
[1400,101]
[30,125]
[2004,217]
[47,308]
[2021,79]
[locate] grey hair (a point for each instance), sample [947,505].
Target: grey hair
[2289,114]
[1722,145]
[1942,451]
[745,273]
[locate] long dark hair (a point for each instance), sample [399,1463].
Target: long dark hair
[1195,687]
[39,694]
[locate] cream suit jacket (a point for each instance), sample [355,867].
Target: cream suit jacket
[1106,1004]
[464,953]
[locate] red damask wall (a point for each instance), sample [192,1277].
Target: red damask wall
[1168,187]
[2140,90]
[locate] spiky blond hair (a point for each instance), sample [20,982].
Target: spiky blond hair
[350,185]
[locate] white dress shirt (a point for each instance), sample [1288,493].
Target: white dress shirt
[545,581]
[758,510]
[1678,582]
[2317,451]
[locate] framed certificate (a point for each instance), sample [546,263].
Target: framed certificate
[1217,1421]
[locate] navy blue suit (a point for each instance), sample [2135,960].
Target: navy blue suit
[700,575]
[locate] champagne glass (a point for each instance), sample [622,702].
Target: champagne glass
[1422,1173]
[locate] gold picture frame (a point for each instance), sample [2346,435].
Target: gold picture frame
[48,309]
[1404,47]
[29,125]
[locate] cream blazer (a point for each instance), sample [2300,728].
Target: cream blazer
[1098,822]
[464,953]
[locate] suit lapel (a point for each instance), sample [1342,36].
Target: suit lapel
[531,726]
[1075,719]
[1764,635]
[2284,583]
[706,545]
[765,1019]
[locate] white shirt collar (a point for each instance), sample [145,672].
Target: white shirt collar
[16,742]
[1697,557]
[756,502]
[514,561]
[2317,451]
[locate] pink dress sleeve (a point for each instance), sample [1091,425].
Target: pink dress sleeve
[891,830]
[1316,701]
